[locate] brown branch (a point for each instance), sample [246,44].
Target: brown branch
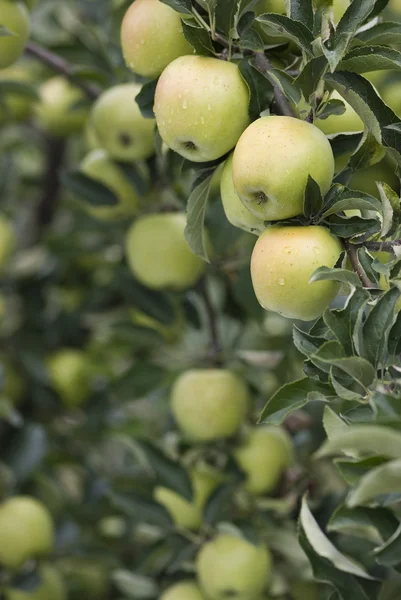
[382,246]
[357,267]
[58,64]
[215,343]
[264,66]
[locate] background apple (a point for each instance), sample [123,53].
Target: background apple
[51,587]
[119,125]
[283,261]
[158,254]
[365,179]
[62,108]
[186,590]
[14,17]
[271,164]
[7,240]
[70,376]
[209,403]
[202,94]
[349,121]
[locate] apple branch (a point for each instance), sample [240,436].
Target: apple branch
[58,64]
[264,66]
[382,246]
[357,267]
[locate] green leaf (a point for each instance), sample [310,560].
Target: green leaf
[133,585]
[228,14]
[342,323]
[199,38]
[385,479]
[292,396]
[311,75]
[27,451]
[90,190]
[332,107]
[141,508]
[302,10]
[377,327]
[374,524]
[249,37]
[340,275]
[349,199]
[17,88]
[313,200]
[364,59]
[386,34]
[134,176]
[369,153]
[261,91]
[351,469]
[332,353]
[366,439]
[181,6]
[389,553]
[349,227]
[293,30]
[216,507]
[146,99]
[137,381]
[306,343]
[196,211]
[391,209]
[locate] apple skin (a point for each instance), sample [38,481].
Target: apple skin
[349,121]
[152,37]
[235,211]
[271,164]
[15,17]
[263,457]
[232,567]
[185,590]
[196,98]
[365,179]
[209,404]
[99,166]
[26,530]
[339,8]
[56,112]
[15,107]
[119,125]
[184,513]
[283,261]
[7,240]
[52,587]
[158,254]
[70,376]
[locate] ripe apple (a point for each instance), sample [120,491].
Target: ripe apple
[339,8]
[26,530]
[52,587]
[158,254]
[263,457]
[152,37]
[70,377]
[14,17]
[195,103]
[99,166]
[349,121]
[365,179]
[185,590]
[58,110]
[209,403]
[271,164]
[89,578]
[14,106]
[236,212]
[119,125]
[7,240]
[231,567]
[283,261]
[184,513]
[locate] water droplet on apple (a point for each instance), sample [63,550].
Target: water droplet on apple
[202,120]
[209,107]
[281,281]
[316,250]
[184,104]
[287,249]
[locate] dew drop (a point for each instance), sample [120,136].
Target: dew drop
[202,120]
[316,250]
[287,249]
[209,107]
[281,281]
[184,104]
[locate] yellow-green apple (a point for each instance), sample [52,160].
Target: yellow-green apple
[263,457]
[272,162]
[349,121]
[201,107]
[13,106]
[282,263]
[14,17]
[61,109]
[231,567]
[339,8]
[236,212]
[70,376]
[365,179]
[270,35]
[152,37]
[208,404]
[119,125]
[158,254]
[26,530]
[185,590]
[185,513]
[91,140]
[7,240]
[51,587]
[98,165]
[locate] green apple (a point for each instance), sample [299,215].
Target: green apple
[185,590]
[99,166]
[272,162]
[208,404]
[59,110]
[12,385]
[7,240]
[152,37]
[236,212]
[183,512]
[339,8]
[119,125]
[196,100]
[14,106]
[51,587]
[365,179]
[88,578]
[159,255]
[231,567]
[91,139]
[271,6]
[263,457]
[282,263]
[70,376]
[14,17]
[26,530]
[349,121]
[391,94]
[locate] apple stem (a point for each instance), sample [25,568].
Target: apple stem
[356,265]
[382,246]
[58,64]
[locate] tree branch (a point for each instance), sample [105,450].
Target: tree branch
[58,64]
[382,246]
[357,267]
[215,344]
[264,66]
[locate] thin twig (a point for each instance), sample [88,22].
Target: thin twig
[382,246]
[264,66]
[353,257]
[215,343]
[58,64]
